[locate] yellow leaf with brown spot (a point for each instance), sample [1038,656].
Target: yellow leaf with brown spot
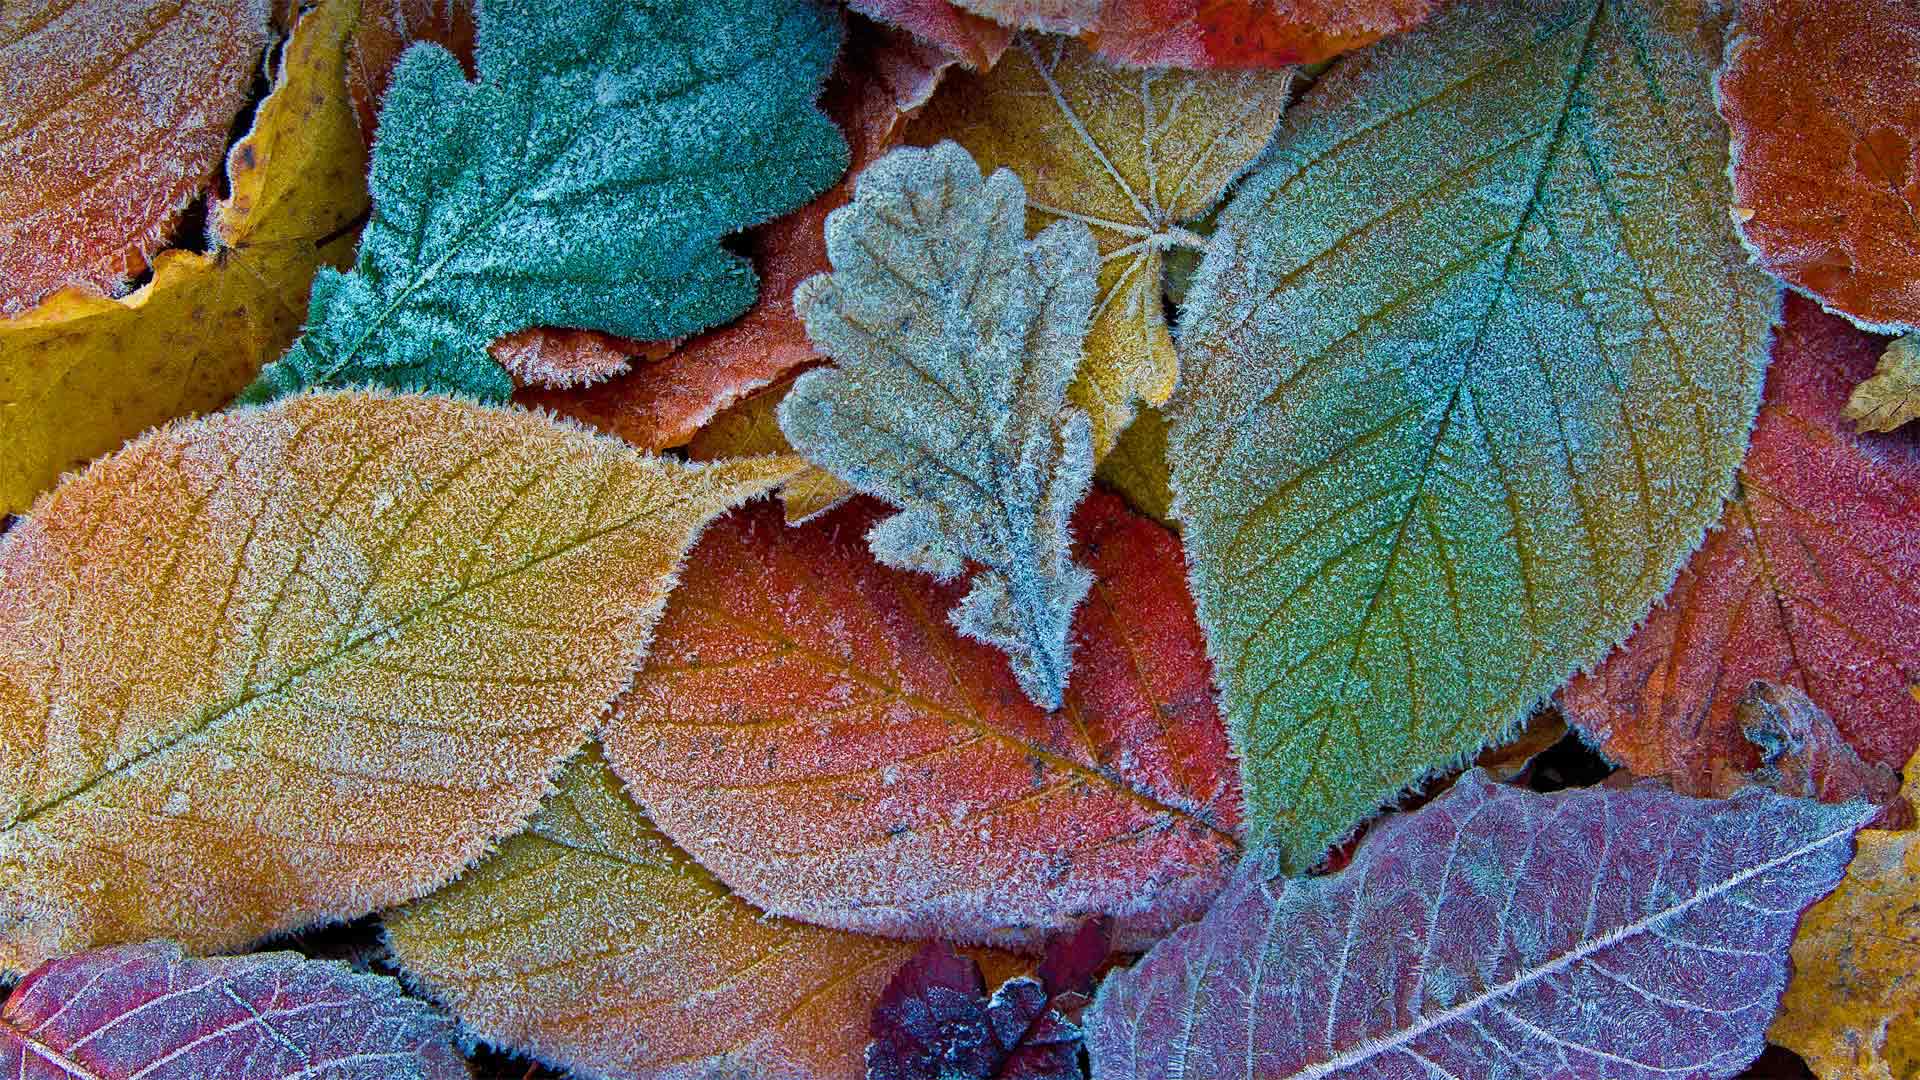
[1891,395]
[1131,153]
[281,665]
[82,372]
[749,427]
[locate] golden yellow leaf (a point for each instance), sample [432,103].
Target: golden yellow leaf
[1136,467]
[82,372]
[1852,1009]
[1131,153]
[750,426]
[1891,396]
[279,665]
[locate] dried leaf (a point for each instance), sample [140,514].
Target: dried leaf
[1133,155]
[1819,96]
[1803,754]
[585,180]
[83,373]
[809,728]
[593,943]
[956,341]
[1620,934]
[385,29]
[1055,16]
[750,427]
[1466,374]
[563,359]
[1891,395]
[1246,33]
[1808,582]
[148,1012]
[282,665]
[113,114]
[1137,467]
[978,42]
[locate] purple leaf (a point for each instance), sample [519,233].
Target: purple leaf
[150,1012]
[1495,933]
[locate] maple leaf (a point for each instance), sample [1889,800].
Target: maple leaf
[1890,396]
[831,750]
[1819,97]
[149,1012]
[84,372]
[1131,154]
[594,944]
[1246,33]
[1805,583]
[275,666]
[1852,1009]
[1625,934]
[585,180]
[1447,427]
[956,341]
[113,116]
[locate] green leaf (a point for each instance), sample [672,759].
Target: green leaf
[585,180]
[956,340]
[1468,370]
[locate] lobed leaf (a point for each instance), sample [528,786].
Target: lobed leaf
[1628,934]
[385,29]
[1451,418]
[284,665]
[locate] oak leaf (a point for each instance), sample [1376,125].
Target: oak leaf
[817,736]
[84,372]
[276,666]
[1619,934]
[1466,373]
[1890,396]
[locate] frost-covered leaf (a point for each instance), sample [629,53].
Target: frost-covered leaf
[1803,754]
[975,40]
[281,665]
[592,943]
[1246,33]
[1137,467]
[113,115]
[81,373]
[564,359]
[1820,98]
[1810,582]
[1853,1007]
[814,733]
[148,1012]
[750,427]
[584,180]
[1890,396]
[955,341]
[1466,374]
[1627,934]
[383,32]
[1133,155]
[1055,16]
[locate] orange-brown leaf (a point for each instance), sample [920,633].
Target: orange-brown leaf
[385,30]
[1246,33]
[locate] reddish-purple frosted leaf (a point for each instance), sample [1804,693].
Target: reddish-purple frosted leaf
[152,1013]
[1627,934]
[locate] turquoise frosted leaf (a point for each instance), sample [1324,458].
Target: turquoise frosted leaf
[584,180]
[1468,369]
[956,339]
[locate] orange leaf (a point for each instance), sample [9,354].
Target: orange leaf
[813,730]
[1246,33]
[385,30]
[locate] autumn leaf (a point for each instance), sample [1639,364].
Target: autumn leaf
[552,359]
[977,41]
[1246,33]
[810,728]
[1495,932]
[113,116]
[1054,16]
[1131,154]
[383,32]
[283,665]
[585,181]
[750,427]
[149,1011]
[1137,467]
[82,373]
[1806,583]
[1819,97]
[1803,754]
[1852,1009]
[1890,396]
[955,341]
[1466,373]
[594,944]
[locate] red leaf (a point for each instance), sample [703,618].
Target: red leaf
[1246,33]
[973,39]
[1802,753]
[385,30]
[1810,581]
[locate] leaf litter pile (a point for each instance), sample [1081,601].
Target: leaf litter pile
[959,539]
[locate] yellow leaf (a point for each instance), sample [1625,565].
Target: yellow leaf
[593,943]
[281,665]
[750,426]
[1852,1009]
[1137,467]
[82,372]
[1891,397]
[1132,154]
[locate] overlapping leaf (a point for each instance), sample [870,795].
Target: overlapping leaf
[751,427]
[148,1012]
[1246,33]
[282,665]
[113,116]
[383,32]
[585,181]
[977,41]
[1890,396]
[1809,582]
[82,373]
[1625,934]
[1466,374]
[813,732]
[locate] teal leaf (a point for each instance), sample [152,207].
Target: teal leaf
[1466,374]
[584,180]
[956,339]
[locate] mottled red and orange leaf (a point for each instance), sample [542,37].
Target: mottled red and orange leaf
[385,29]
[974,40]
[1246,33]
